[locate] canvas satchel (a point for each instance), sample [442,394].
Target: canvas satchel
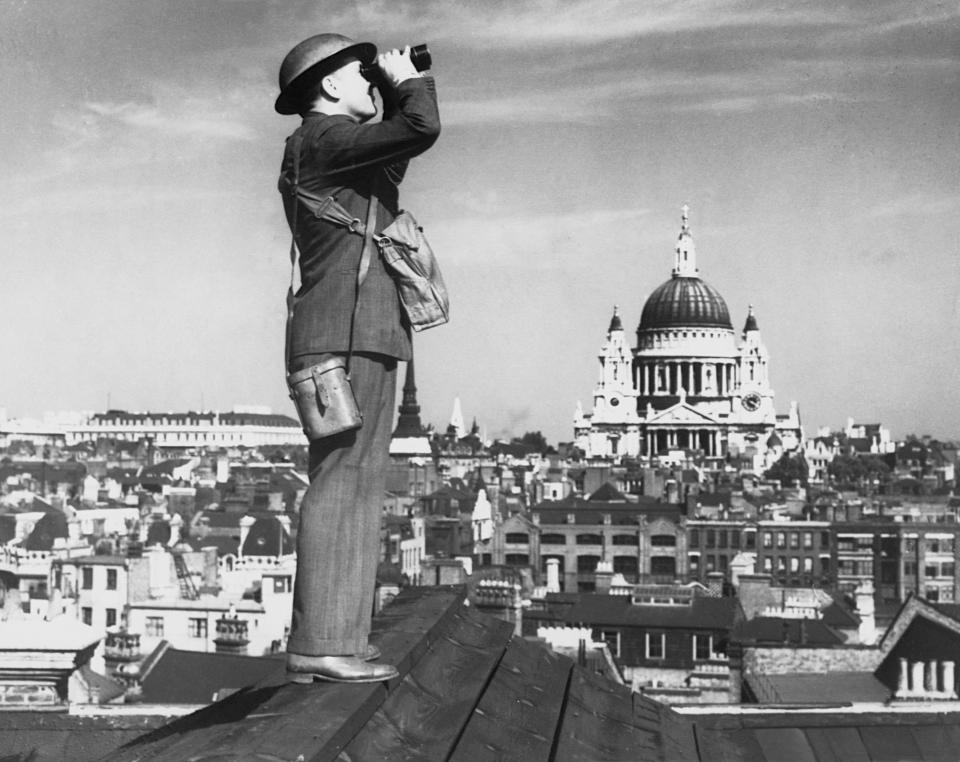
[415,271]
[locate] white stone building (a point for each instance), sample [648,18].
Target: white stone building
[690,383]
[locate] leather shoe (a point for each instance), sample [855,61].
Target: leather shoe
[337,669]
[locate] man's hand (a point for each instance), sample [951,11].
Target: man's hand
[397,66]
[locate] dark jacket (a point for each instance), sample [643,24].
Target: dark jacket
[342,158]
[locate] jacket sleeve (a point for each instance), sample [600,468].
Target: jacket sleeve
[407,130]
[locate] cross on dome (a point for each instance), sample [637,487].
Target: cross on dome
[685,265]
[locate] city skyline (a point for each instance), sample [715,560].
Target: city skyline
[818,149]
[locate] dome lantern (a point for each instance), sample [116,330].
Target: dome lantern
[685,264]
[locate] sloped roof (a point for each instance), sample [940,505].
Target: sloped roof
[702,613]
[470,691]
[193,677]
[607,493]
[107,688]
[52,525]
[818,687]
[267,537]
[776,630]
[837,615]
[510,699]
[224,545]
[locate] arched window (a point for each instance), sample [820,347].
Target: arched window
[553,539]
[517,559]
[626,539]
[519,538]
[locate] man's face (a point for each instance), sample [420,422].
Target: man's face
[355,93]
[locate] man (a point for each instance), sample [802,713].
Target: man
[342,153]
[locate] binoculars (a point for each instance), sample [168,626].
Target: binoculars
[419,57]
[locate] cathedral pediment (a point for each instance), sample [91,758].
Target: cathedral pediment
[681,413]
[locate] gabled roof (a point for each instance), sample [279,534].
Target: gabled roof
[679,414]
[607,493]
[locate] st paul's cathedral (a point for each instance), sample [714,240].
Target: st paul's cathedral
[689,384]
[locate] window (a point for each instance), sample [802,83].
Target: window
[518,538]
[825,539]
[664,541]
[612,639]
[694,564]
[86,615]
[656,643]
[808,565]
[711,538]
[768,539]
[628,566]
[87,583]
[930,570]
[111,580]
[154,627]
[197,627]
[724,563]
[807,540]
[824,566]
[722,538]
[702,647]
[516,559]
[626,539]
[111,617]
[281,584]
[711,563]
[664,566]
[587,564]
[794,564]
[794,540]
[750,540]
[694,536]
[781,563]
[553,539]
[781,539]
[735,539]
[589,539]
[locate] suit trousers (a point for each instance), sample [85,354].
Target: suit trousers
[338,544]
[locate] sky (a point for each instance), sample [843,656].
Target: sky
[817,143]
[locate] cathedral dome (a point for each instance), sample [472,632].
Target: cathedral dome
[685,302]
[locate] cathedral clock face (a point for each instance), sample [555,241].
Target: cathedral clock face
[751,401]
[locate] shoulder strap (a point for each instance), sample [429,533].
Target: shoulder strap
[329,209]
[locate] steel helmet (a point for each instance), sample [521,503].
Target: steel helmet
[312,59]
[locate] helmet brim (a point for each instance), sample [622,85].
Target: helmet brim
[289,100]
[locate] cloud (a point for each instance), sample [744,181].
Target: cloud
[917,204]
[185,117]
[559,238]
